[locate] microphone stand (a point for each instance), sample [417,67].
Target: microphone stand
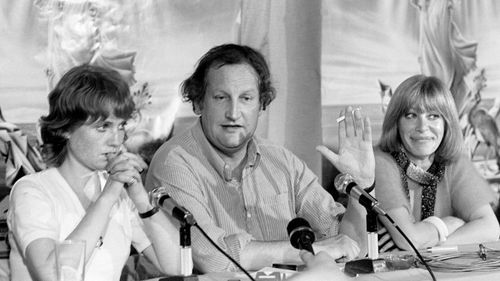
[157,197]
[186,255]
[372,235]
[373,263]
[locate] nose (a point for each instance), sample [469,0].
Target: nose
[233,111]
[116,137]
[421,123]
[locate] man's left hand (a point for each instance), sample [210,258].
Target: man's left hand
[339,246]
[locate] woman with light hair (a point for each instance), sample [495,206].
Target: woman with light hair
[425,181]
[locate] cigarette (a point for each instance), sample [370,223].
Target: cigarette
[442,249]
[341,118]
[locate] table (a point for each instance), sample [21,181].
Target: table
[406,275]
[414,274]
[224,276]
[423,275]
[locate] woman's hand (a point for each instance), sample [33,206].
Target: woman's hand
[125,172]
[453,223]
[355,155]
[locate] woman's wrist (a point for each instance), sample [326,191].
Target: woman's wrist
[453,223]
[440,226]
[143,207]
[149,213]
[107,199]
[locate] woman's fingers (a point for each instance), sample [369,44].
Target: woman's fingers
[342,127]
[126,161]
[367,130]
[358,122]
[352,124]
[128,177]
[137,161]
[349,122]
[126,168]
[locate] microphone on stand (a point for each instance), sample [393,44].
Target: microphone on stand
[160,198]
[301,234]
[344,183]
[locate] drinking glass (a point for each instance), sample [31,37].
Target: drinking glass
[70,260]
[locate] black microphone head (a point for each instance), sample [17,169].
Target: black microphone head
[295,223]
[342,182]
[299,230]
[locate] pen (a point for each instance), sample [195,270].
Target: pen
[442,249]
[482,252]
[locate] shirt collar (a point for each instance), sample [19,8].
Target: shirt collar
[252,157]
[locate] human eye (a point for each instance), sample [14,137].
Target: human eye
[434,116]
[410,115]
[219,97]
[101,126]
[122,126]
[247,98]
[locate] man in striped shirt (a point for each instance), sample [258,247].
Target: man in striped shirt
[244,190]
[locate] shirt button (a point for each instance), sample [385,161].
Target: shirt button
[249,215]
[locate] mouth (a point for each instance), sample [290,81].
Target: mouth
[422,138]
[231,126]
[111,154]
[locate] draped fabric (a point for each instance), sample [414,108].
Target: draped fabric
[86,32]
[444,52]
[358,43]
[19,156]
[369,40]
[142,40]
[167,37]
[159,42]
[288,33]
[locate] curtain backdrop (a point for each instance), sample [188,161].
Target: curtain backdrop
[167,37]
[368,40]
[289,34]
[329,52]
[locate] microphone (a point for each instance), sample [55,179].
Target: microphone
[344,183]
[160,198]
[301,234]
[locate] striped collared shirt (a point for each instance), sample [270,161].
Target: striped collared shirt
[275,187]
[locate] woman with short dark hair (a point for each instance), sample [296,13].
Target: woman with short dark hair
[92,190]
